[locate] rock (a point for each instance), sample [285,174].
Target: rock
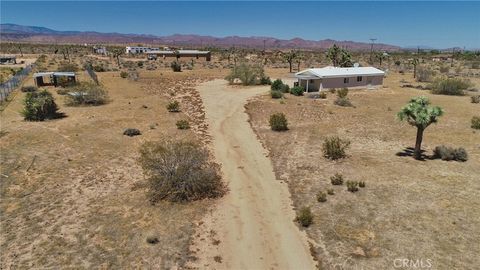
[358,252]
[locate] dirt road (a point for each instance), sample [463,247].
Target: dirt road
[253,227]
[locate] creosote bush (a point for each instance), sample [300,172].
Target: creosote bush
[475,99]
[39,106]
[322,95]
[450,153]
[297,91]
[276,94]
[476,122]
[278,122]
[175,66]
[86,93]
[278,85]
[352,186]
[27,89]
[424,74]
[342,93]
[124,74]
[173,106]
[183,124]
[180,171]
[304,217]
[321,196]
[342,99]
[337,179]
[248,74]
[334,147]
[330,191]
[265,81]
[449,86]
[130,132]
[361,184]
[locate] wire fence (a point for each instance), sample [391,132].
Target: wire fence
[7,87]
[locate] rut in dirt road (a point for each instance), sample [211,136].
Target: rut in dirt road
[253,227]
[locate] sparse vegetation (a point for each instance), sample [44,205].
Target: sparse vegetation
[276,94]
[337,179]
[68,67]
[124,74]
[321,196]
[86,93]
[278,85]
[28,89]
[130,132]
[330,191]
[342,99]
[449,86]
[352,186]
[304,216]
[361,184]
[425,74]
[173,106]
[248,74]
[449,153]
[176,66]
[475,99]
[278,122]
[180,171]
[183,124]
[39,106]
[334,148]
[297,91]
[475,122]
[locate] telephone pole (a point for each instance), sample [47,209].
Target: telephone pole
[371,49]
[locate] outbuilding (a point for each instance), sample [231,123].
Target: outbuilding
[54,78]
[8,59]
[317,79]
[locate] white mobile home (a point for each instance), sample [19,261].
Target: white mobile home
[317,79]
[135,50]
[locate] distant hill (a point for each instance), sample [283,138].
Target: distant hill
[14,32]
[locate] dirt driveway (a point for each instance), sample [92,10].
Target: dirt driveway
[253,227]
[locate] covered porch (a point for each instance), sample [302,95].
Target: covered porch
[310,83]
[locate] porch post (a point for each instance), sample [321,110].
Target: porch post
[306,90]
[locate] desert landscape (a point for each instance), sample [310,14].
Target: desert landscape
[135,151]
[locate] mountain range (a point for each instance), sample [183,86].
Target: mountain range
[37,34]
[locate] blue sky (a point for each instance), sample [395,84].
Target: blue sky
[435,24]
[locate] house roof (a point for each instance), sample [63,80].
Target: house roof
[334,72]
[51,73]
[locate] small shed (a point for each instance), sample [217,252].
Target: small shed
[8,59]
[54,78]
[317,79]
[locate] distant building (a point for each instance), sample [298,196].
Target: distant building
[100,50]
[54,78]
[8,59]
[137,50]
[317,79]
[152,54]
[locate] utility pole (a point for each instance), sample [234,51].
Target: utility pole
[371,49]
[451,60]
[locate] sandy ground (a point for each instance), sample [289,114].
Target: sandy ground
[253,227]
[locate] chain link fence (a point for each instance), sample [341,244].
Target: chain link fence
[7,87]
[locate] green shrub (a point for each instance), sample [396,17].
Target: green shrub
[342,93]
[265,81]
[337,179]
[124,74]
[173,106]
[475,99]
[276,94]
[278,85]
[334,147]
[28,89]
[425,74]
[175,66]
[99,68]
[449,86]
[305,217]
[361,184]
[352,186]
[297,91]
[322,95]
[321,196]
[130,132]
[278,122]
[476,122]
[39,106]
[180,171]
[246,73]
[344,102]
[450,153]
[86,93]
[330,191]
[183,124]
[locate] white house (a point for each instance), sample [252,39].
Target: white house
[317,79]
[134,50]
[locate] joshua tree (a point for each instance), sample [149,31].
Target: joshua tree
[299,59]
[116,54]
[333,54]
[380,57]
[345,59]
[419,114]
[290,57]
[414,62]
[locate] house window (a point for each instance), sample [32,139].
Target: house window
[359,78]
[311,81]
[346,80]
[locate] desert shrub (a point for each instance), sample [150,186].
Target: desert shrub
[444,69]
[27,89]
[86,93]
[173,106]
[304,217]
[344,102]
[278,122]
[475,99]
[449,86]
[124,74]
[337,179]
[278,85]
[99,68]
[449,153]
[352,186]
[342,93]
[39,106]
[246,73]
[321,196]
[330,191]
[67,67]
[361,184]
[322,95]
[276,94]
[424,74]
[175,66]
[334,147]
[297,91]
[332,90]
[131,132]
[265,80]
[140,64]
[475,122]
[183,124]
[180,171]
[475,65]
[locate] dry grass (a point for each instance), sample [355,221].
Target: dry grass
[73,193]
[408,209]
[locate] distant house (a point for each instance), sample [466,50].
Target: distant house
[135,50]
[317,79]
[100,50]
[153,54]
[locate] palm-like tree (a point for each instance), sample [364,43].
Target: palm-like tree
[289,57]
[420,114]
[414,62]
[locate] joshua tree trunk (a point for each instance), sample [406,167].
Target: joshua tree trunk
[290,65]
[418,143]
[414,71]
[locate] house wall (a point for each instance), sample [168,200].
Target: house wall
[339,82]
[313,85]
